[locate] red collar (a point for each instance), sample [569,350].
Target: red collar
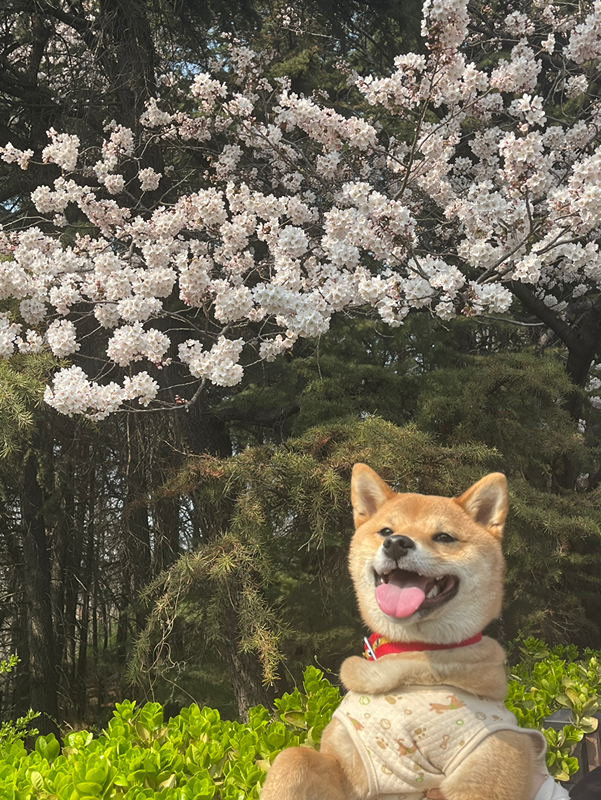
[377,646]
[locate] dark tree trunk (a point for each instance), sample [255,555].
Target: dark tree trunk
[87,579]
[582,338]
[166,545]
[43,674]
[243,668]
[20,645]
[19,642]
[63,568]
[129,60]
[72,565]
[57,587]
[137,525]
[128,56]
[580,360]
[136,539]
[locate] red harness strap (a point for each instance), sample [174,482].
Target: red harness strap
[377,646]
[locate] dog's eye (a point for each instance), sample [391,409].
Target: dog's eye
[386,532]
[445,538]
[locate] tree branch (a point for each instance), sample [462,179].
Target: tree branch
[565,331]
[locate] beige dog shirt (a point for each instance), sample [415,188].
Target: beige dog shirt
[410,741]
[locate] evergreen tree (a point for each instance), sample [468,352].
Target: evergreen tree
[281,526]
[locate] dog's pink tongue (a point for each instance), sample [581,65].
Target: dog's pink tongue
[402,595]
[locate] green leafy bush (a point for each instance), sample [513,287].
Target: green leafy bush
[546,680]
[199,756]
[194,756]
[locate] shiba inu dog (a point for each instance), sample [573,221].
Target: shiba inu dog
[424,714]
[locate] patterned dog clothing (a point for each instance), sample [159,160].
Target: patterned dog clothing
[410,740]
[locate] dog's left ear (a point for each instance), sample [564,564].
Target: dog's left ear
[486,502]
[368,493]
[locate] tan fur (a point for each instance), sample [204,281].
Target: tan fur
[302,772]
[501,767]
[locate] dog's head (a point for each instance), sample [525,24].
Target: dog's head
[427,569]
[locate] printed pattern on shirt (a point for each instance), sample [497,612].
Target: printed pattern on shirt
[410,739]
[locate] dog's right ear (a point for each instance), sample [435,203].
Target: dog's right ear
[368,493]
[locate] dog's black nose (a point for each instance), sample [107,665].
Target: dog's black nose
[396,546]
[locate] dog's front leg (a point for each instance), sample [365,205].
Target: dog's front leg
[335,773]
[300,773]
[500,768]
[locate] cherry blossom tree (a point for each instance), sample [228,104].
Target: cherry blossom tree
[468,181]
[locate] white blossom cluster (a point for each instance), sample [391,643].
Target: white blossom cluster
[154,117]
[149,179]
[593,387]
[445,21]
[12,155]
[62,338]
[401,90]
[219,364]
[324,125]
[304,211]
[118,147]
[72,393]
[585,41]
[131,343]
[63,150]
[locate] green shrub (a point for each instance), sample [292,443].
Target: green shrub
[199,756]
[194,756]
[546,680]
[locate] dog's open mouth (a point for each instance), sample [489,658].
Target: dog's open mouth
[401,593]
